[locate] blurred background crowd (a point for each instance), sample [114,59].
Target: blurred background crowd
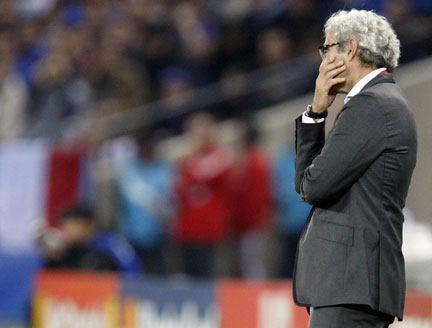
[214,212]
[65,63]
[107,81]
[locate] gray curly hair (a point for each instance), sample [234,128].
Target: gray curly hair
[377,41]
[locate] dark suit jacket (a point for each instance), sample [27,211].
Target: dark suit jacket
[350,249]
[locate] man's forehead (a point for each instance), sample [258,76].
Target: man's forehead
[329,38]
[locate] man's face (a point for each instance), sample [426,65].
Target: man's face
[76,231]
[339,55]
[201,128]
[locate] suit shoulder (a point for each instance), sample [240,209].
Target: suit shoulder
[387,95]
[361,106]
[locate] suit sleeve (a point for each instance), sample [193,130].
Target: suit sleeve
[356,140]
[309,143]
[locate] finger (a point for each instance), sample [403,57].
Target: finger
[337,80]
[332,66]
[327,60]
[335,72]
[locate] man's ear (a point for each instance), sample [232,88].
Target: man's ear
[352,49]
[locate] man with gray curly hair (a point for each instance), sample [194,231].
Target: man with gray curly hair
[350,268]
[377,42]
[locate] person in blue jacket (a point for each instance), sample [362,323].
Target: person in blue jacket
[145,194]
[82,246]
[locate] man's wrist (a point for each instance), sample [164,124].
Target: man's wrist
[307,120]
[315,115]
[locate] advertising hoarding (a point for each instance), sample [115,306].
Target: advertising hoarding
[76,300]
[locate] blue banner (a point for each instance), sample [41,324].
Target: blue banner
[16,277]
[158,303]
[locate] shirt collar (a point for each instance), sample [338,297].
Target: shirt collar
[361,84]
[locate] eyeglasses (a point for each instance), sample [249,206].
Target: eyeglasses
[323,49]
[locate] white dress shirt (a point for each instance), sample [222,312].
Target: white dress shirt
[354,91]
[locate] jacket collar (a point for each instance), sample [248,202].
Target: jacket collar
[357,88]
[383,78]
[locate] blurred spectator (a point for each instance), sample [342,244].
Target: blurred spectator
[145,191]
[79,245]
[118,82]
[106,162]
[301,18]
[274,48]
[175,83]
[417,250]
[31,47]
[410,29]
[235,47]
[59,96]
[6,12]
[264,12]
[291,214]
[13,91]
[155,50]
[233,86]
[202,190]
[199,40]
[252,206]
[97,15]
[231,10]
[34,8]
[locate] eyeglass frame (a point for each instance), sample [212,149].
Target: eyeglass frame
[324,48]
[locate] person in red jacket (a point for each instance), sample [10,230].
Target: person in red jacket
[202,190]
[252,206]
